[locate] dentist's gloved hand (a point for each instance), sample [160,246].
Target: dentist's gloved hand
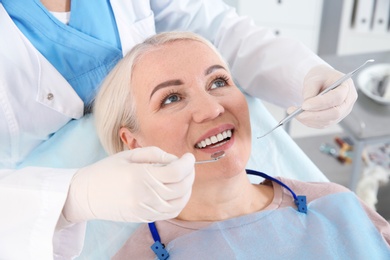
[330,108]
[128,187]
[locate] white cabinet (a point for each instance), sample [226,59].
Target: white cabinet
[299,19]
[365,27]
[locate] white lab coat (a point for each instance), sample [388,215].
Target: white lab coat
[36,101]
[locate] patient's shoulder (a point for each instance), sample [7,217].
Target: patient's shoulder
[312,190]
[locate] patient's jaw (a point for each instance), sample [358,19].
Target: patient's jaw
[186,101]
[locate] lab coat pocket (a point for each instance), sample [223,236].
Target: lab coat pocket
[56,93]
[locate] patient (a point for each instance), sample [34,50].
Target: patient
[175,91]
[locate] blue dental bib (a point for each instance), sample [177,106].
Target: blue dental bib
[334,227]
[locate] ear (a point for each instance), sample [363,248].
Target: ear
[128,138]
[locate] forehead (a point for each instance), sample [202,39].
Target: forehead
[183,60]
[183,53]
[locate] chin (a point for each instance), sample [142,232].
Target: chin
[230,168]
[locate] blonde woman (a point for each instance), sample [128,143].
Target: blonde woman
[175,92]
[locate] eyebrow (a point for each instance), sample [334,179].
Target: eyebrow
[178,82]
[174,82]
[213,68]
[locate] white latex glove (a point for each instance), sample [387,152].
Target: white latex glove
[330,108]
[128,187]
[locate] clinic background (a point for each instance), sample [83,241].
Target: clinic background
[345,34]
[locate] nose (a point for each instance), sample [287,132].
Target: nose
[206,107]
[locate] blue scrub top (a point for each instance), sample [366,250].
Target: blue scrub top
[84,51]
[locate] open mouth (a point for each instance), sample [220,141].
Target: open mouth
[215,140]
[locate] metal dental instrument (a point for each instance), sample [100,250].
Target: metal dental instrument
[214,157]
[331,87]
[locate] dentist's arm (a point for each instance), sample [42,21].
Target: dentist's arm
[130,187]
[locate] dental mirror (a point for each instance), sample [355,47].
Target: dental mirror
[214,157]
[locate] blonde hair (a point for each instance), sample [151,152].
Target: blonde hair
[114,106]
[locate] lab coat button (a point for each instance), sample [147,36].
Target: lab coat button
[50,96]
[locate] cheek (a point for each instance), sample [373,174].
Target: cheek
[245,129]
[166,132]
[242,111]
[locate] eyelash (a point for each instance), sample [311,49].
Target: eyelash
[166,96]
[224,78]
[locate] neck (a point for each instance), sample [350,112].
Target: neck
[56,5]
[224,199]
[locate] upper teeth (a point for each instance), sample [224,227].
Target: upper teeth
[214,139]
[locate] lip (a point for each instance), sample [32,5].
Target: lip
[216,131]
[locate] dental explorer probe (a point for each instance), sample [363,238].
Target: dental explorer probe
[331,87]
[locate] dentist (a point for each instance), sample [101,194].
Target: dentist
[53,57]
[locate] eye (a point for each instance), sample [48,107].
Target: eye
[219,82]
[170,98]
